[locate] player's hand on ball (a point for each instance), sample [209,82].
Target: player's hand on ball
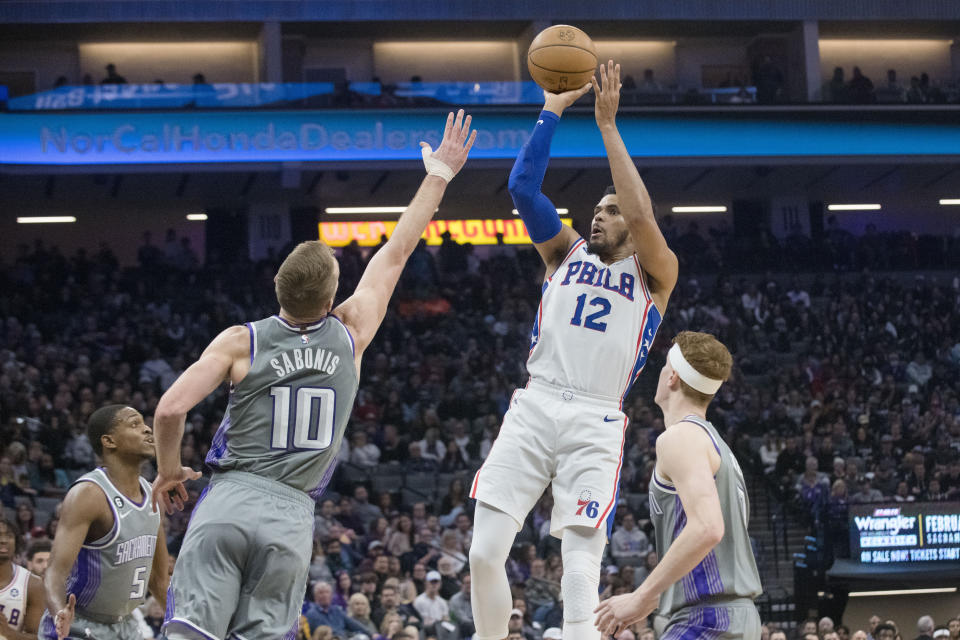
[607,93]
[619,612]
[168,490]
[456,143]
[558,102]
[64,618]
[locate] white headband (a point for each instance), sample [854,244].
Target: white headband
[691,376]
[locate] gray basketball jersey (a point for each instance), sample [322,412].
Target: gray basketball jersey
[285,420]
[110,576]
[729,570]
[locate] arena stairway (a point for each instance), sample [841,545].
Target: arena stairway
[776,535]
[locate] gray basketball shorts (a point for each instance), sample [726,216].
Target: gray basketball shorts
[242,569]
[734,620]
[84,629]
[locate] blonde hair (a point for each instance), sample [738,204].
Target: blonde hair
[358,600]
[322,632]
[708,356]
[407,591]
[306,281]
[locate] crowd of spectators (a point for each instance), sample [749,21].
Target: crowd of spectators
[845,388]
[859,89]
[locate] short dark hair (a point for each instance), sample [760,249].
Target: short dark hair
[883,626]
[38,546]
[610,191]
[101,423]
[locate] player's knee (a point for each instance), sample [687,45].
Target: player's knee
[581,578]
[485,557]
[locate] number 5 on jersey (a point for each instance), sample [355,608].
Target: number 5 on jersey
[312,414]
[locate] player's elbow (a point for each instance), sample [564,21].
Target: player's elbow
[169,409]
[521,190]
[712,532]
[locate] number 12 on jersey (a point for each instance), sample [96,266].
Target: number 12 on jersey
[591,321]
[301,413]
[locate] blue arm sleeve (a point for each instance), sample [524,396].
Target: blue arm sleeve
[526,178]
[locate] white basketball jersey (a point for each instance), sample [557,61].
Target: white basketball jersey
[595,325]
[13,598]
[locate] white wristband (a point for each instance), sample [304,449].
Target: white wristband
[435,167]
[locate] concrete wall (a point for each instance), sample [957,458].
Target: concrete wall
[144,62]
[874,57]
[447,61]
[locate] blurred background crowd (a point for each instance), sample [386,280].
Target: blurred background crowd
[846,390]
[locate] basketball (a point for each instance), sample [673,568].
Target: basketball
[562,58]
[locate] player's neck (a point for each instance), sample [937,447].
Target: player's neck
[125,476]
[6,573]
[618,254]
[680,408]
[301,321]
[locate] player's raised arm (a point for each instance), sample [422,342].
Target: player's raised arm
[684,458]
[551,238]
[656,258]
[83,505]
[363,312]
[227,356]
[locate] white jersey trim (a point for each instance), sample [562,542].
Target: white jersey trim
[295,328]
[573,249]
[13,581]
[192,626]
[662,484]
[353,346]
[253,340]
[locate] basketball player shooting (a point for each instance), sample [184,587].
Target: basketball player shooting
[602,303]
[242,569]
[707,577]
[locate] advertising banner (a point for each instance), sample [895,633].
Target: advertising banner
[477,232]
[63,138]
[906,532]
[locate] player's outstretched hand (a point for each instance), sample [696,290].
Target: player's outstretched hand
[64,618]
[607,93]
[619,612]
[456,143]
[168,489]
[558,102]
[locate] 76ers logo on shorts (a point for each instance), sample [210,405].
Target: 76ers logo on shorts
[586,506]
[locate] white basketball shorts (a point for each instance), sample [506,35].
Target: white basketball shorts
[567,437]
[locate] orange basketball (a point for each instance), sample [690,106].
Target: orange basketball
[561,58]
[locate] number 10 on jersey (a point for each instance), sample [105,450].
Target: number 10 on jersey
[301,413]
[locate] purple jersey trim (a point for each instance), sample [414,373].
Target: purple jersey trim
[353,345]
[218,447]
[253,340]
[84,578]
[115,530]
[317,493]
[188,625]
[700,423]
